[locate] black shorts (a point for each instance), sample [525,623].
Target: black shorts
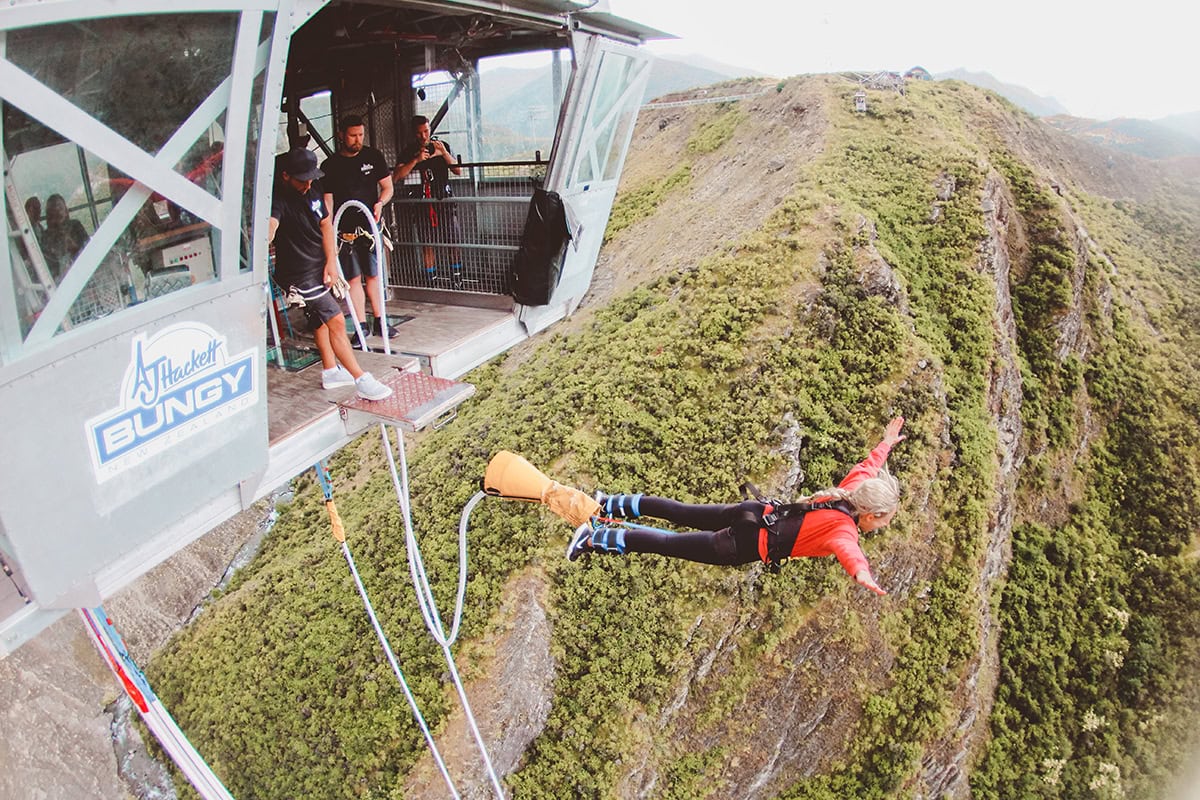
[320,306]
[358,258]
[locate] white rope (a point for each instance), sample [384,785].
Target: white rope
[370,215]
[387,648]
[425,598]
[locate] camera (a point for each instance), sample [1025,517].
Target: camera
[429,145]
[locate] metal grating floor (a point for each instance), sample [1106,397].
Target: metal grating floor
[417,400]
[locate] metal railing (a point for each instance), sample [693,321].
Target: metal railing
[467,241]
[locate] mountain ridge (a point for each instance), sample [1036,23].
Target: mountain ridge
[1169,137]
[1026,299]
[1020,96]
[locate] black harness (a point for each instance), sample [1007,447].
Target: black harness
[775,541]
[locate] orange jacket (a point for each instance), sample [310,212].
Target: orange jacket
[827,532]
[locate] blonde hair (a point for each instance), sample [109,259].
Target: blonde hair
[878,495]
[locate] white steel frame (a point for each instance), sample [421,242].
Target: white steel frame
[155,172]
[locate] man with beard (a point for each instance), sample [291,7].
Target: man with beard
[358,172]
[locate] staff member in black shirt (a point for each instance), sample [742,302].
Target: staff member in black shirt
[425,168]
[306,267]
[358,172]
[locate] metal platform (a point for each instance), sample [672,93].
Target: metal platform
[306,425]
[417,401]
[296,402]
[449,335]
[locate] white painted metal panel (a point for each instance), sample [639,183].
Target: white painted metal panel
[125,436]
[156,415]
[604,99]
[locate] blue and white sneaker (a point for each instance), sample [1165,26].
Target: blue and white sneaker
[581,542]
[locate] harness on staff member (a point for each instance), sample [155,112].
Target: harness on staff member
[774,544]
[359,233]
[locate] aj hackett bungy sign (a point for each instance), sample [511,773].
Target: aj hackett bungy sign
[179,382]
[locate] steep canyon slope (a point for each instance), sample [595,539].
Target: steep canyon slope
[781,275]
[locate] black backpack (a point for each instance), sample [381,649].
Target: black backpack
[537,265]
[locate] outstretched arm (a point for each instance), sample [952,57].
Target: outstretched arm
[863,576]
[869,467]
[851,557]
[891,434]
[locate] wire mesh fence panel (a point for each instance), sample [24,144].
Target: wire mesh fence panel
[467,240]
[104,294]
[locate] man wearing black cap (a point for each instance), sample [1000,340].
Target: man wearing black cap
[306,267]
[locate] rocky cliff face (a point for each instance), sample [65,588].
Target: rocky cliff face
[757,711]
[945,769]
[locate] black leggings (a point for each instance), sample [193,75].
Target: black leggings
[729,534]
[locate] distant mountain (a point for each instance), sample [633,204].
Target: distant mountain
[499,85]
[677,74]
[1139,136]
[1177,135]
[1187,124]
[1017,95]
[517,126]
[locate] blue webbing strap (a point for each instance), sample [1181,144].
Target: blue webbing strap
[609,540]
[634,501]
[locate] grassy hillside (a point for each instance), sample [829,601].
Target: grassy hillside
[863,293]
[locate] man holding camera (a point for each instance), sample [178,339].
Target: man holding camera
[425,170]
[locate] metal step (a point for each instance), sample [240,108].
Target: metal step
[417,401]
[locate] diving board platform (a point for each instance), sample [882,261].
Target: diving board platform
[418,401]
[296,402]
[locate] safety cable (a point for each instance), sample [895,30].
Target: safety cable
[425,598]
[339,534]
[376,238]
[437,756]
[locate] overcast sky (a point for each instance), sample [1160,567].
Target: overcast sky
[1099,60]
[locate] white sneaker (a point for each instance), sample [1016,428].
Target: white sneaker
[335,377]
[371,389]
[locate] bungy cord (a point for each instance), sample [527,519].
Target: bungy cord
[425,599]
[339,534]
[370,215]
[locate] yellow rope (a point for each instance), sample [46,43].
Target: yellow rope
[335,520]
